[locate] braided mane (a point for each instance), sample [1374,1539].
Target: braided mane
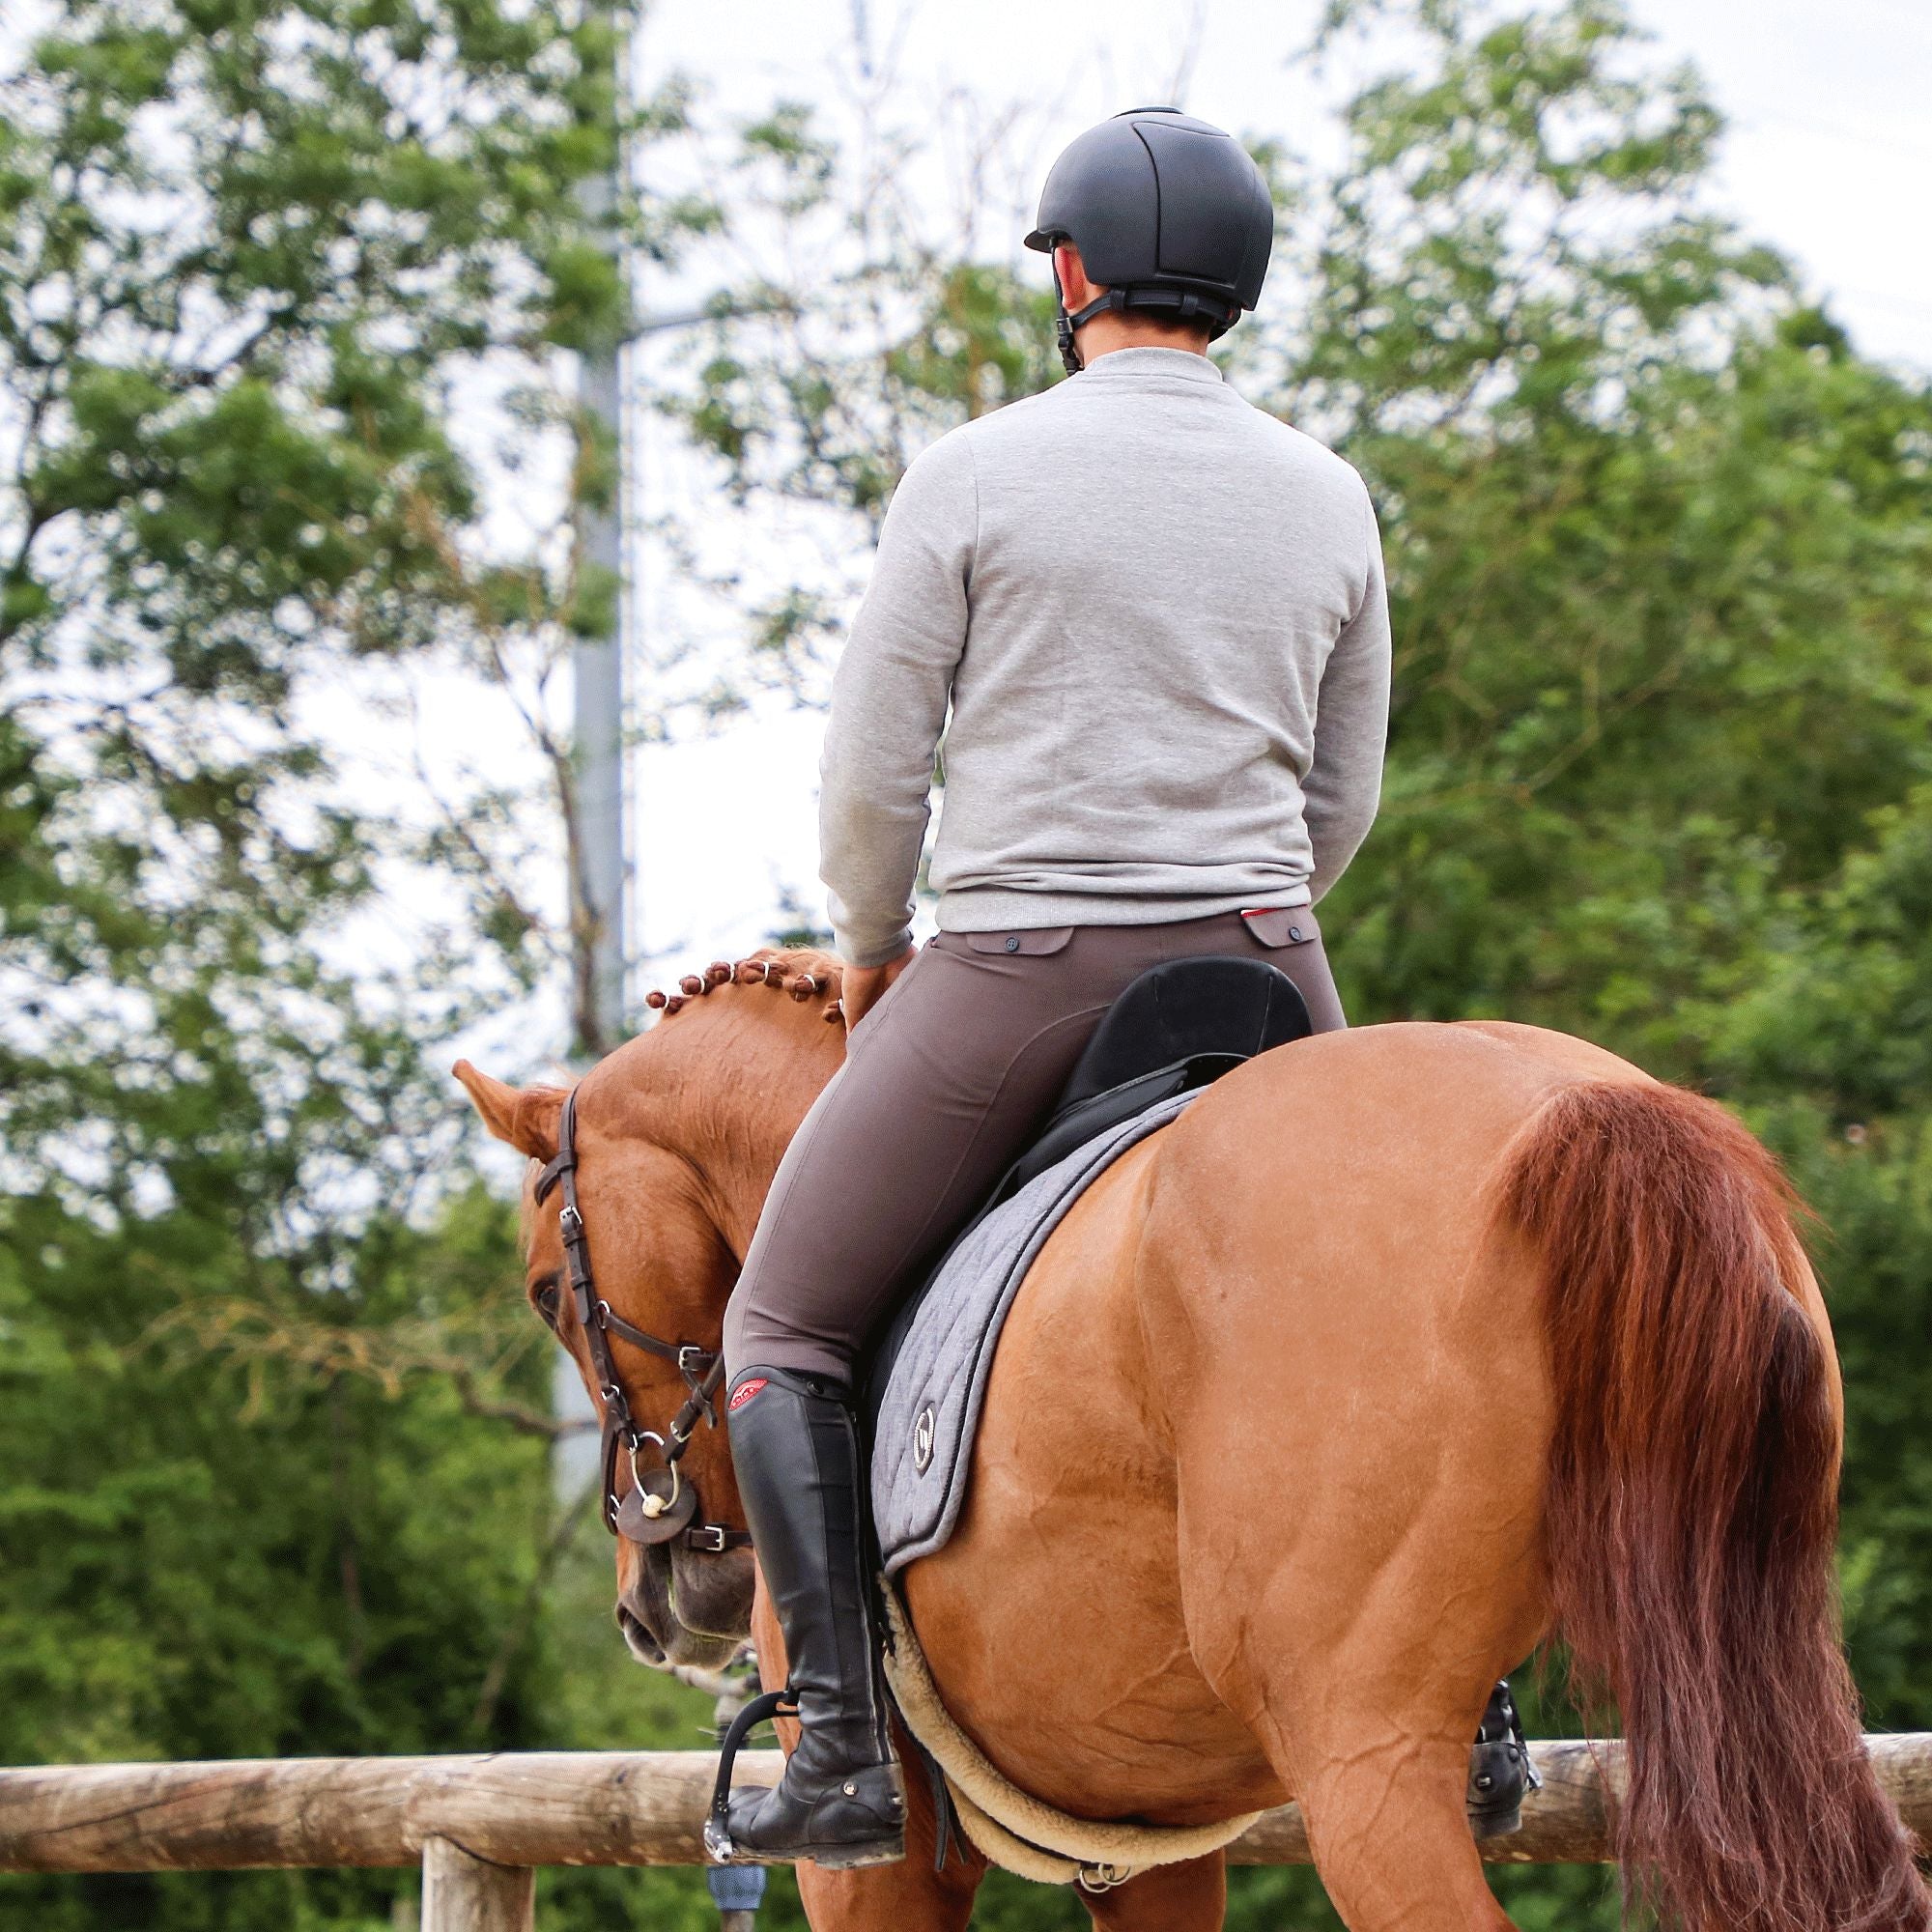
[802,971]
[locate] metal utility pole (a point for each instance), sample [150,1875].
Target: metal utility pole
[601,886]
[603,913]
[604,888]
[594,825]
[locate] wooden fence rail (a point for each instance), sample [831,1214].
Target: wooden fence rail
[478,1825]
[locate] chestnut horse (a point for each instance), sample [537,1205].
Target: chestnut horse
[1401,1350]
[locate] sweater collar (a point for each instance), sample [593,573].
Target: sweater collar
[1183,363]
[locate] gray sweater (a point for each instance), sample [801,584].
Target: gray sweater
[1158,614]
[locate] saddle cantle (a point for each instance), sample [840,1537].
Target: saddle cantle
[1177,1027]
[1174,1029]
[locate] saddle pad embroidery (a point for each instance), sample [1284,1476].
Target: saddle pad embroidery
[922,1450]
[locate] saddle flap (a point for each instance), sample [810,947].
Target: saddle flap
[1175,1028]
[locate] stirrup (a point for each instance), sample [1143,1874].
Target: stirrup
[717,1844]
[1501,1772]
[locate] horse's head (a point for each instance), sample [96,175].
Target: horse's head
[676,1136]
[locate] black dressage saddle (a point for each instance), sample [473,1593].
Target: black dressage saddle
[1179,1026]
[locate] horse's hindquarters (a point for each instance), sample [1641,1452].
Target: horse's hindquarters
[1359,1401]
[1261,1410]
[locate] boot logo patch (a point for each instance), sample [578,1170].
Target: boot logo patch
[922,1440]
[743,1394]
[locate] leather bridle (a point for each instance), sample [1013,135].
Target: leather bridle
[660,1504]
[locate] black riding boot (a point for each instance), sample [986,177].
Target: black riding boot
[1500,1773]
[841,1802]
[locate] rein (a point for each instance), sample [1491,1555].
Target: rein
[659,1505]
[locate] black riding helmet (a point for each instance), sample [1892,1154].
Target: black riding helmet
[1168,214]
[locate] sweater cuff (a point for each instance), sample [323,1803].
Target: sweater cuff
[881,953]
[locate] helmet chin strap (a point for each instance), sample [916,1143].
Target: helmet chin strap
[1065,324]
[1114,298]
[1184,304]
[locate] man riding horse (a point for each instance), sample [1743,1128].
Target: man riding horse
[1157,616]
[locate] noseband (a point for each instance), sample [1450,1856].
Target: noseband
[660,1504]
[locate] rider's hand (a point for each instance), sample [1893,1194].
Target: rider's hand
[860,987]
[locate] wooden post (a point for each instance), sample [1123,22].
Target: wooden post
[462,1893]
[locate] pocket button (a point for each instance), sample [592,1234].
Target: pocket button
[1013,944]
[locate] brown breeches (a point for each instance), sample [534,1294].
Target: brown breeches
[943,1082]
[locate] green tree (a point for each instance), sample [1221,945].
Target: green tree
[275,1431]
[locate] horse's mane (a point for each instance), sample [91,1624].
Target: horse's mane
[527,1208]
[802,971]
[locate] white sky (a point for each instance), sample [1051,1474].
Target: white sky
[1829,157]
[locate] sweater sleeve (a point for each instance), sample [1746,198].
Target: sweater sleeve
[888,700]
[1344,780]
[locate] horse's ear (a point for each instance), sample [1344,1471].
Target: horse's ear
[524,1115]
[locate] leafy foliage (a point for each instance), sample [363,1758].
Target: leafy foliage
[274,1427]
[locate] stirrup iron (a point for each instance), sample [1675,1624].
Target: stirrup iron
[717,1845]
[1501,1774]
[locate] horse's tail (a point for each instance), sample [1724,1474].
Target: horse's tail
[1691,1511]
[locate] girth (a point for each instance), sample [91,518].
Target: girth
[658,1505]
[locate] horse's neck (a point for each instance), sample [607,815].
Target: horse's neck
[744,1093]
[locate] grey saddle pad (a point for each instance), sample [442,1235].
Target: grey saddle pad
[924,1446]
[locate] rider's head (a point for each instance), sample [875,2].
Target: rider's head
[1159,222]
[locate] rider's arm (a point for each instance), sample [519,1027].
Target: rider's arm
[1345,782]
[889,704]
